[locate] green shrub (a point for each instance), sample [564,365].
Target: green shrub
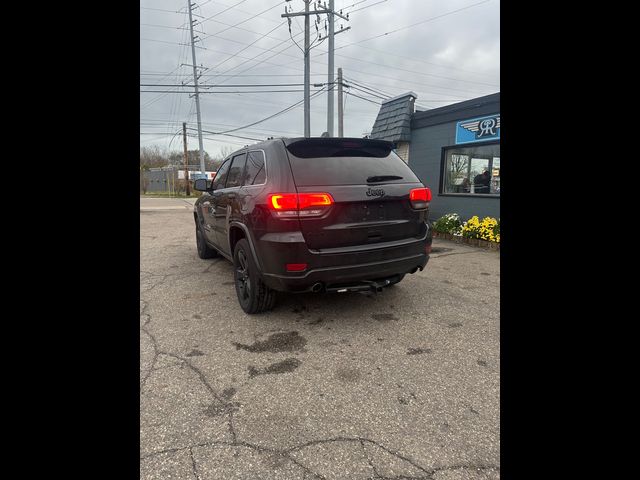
[449,223]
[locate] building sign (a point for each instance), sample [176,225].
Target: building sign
[478,129]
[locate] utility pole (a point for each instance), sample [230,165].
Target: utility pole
[340,112]
[307,66]
[330,77]
[307,73]
[186,158]
[195,83]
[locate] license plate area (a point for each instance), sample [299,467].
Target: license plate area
[368,211]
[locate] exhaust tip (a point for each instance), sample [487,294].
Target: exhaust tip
[317,287]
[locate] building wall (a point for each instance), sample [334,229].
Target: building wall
[426,158]
[403,151]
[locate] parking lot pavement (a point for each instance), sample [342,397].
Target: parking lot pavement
[400,384]
[163,203]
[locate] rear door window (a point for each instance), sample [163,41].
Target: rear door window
[255,173]
[234,178]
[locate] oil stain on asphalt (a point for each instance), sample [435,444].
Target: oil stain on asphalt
[285,366]
[418,351]
[194,353]
[277,342]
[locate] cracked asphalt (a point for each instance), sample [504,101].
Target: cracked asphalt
[402,384]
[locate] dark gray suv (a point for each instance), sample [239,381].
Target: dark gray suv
[313,215]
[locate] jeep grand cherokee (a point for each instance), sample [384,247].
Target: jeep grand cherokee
[313,215]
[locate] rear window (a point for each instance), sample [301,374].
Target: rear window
[350,170]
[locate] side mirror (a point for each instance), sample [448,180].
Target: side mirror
[201,184]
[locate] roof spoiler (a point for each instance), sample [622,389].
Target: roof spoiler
[338,147]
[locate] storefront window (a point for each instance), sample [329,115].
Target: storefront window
[473,170]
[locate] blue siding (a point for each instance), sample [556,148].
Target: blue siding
[425,157]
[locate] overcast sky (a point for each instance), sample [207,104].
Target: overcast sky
[453,55]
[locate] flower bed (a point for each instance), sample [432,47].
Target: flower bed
[485,233]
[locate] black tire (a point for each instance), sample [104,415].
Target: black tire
[204,250]
[253,295]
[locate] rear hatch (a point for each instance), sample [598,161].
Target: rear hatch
[370,187]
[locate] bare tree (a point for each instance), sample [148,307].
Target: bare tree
[458,166]
[153,157]
[223,153]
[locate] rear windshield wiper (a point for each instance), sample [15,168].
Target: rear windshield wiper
[382,178]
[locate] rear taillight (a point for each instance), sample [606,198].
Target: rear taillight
[296,267]
[299,204]
[420,198]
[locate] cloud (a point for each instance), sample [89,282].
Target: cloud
[444,60]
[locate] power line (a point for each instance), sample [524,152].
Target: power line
[363,98]
[241,11]
[395,55]
[380,64]
[181,52]
[223,85]
[244,21]
[159,10]
[265,60]
[228,135]
[248,46]
[367,86]
[367,6]
[215,93]
[275,114]
[418,23]
[239,56]
[246,75]
[162,123]
[161,26]
[354,4]
[421,84]
[369,92]
[220,13]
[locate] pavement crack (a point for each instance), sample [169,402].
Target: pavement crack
[364,452]
[306,469]
[204,381]
[156,352]
[154,285]
[193,464]
[465,467]
[428,473]
[232,429]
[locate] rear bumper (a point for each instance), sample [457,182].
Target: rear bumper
[337,267]
[334,277]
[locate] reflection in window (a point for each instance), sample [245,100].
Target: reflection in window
[221,175]
[234,178]
[254,172]
[472,170]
